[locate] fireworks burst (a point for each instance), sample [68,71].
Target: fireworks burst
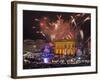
[60,28]
[56,30]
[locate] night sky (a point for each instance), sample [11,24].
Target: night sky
[29,22]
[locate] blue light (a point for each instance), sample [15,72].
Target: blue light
[79,58]
[46,60]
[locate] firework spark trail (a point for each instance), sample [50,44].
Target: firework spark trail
[82,21]
[73,21]
[82,34]
[87,18]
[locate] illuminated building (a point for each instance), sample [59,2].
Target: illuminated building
[65,47]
